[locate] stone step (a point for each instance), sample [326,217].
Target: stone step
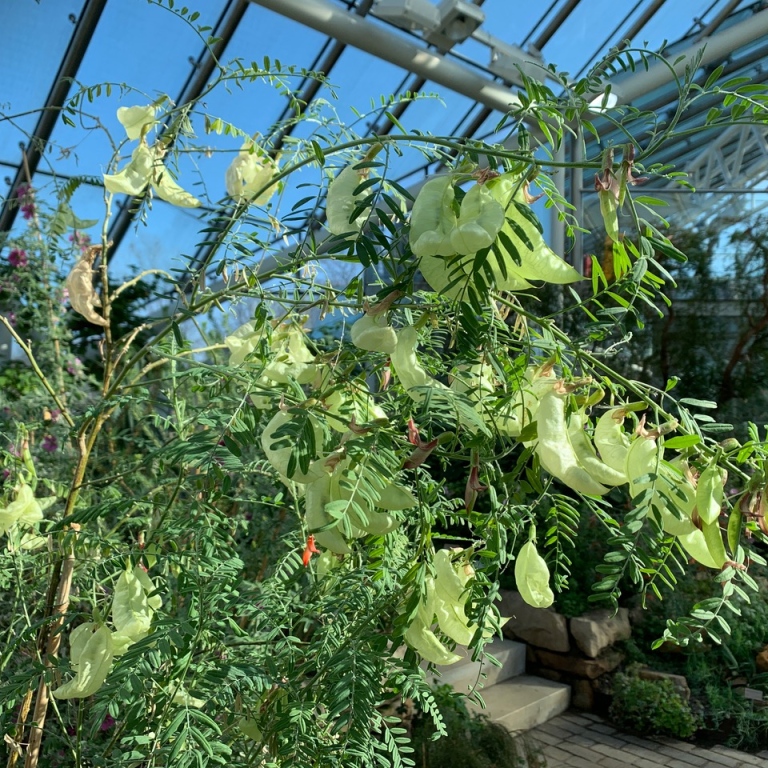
[466,675]
[524,702]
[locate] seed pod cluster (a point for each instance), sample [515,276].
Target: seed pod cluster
[495,214]
[444,603]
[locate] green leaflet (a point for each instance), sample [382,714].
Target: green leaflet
[91,657]
[532,577]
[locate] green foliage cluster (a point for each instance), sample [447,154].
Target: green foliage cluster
[651,707]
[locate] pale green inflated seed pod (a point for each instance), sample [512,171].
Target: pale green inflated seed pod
[91,659]
[280,457]
[408,369]
[480,219]
[433,218]
[341,201]
[318,494]
[131,612]
[424,641]
[537,261]
[532,577]
[586,455]
[611,441]
[372,334]
[554,449]
[710,492]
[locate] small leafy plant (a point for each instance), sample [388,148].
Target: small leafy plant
[651,707]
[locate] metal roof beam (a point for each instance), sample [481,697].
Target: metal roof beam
[328,18]
[719,19]
[716,48]
[70,63]
[549,31]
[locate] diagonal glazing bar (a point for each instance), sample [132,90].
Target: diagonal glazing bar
[70,63]
[548,32]
[196,82]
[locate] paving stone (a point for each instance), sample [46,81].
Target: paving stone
[556,753]
[577,719]
[585,740]
[544,737]
[617,754]
[554,730]
[611,741]
[582,739]
[736,755]
[644,753]
[689,758]
[568,725]
[610,762]
[580,762]
[579,751]
[683,746]
[602,728]
[718,760]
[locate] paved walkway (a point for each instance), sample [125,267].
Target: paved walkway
[580,740]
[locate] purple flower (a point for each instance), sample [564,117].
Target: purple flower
[50,444]
[108,723]
[80,239]
[11,316]
[28,210]
[22,190]
[75,368]
[17,258]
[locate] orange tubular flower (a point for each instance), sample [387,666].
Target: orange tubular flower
[309,550]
